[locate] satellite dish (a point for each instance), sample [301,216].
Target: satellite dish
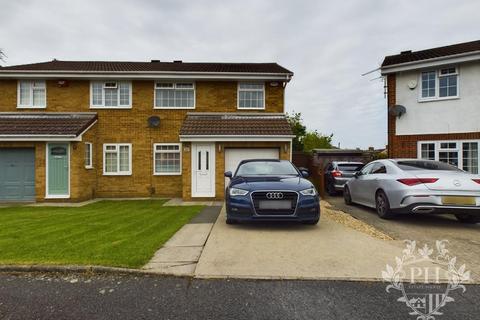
[397,110]
[154,122]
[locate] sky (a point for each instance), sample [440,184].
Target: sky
[327,44]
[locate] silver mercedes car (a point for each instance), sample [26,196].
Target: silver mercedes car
[394,186]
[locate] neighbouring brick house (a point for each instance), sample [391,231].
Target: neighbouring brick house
[76,130]
[434,104]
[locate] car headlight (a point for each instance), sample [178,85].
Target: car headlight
[237,192]
[309,192]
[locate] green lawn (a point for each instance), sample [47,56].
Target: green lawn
[108,233]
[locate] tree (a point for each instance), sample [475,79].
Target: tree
[2,55]
[315,140]
[299,130]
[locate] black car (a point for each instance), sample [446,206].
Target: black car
[337,173]
[270,190]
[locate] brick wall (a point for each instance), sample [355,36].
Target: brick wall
[129,126]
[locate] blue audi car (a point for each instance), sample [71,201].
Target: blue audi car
[270,190]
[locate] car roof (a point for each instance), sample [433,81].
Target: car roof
[347,162]
[263,160]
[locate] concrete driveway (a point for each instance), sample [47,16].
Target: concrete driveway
[464,239]
[329,250]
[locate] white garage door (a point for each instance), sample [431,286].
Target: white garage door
[233,156]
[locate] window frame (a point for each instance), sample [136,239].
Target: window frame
[438,75]
[30,105]
[118,106]
[250,82]
[118,173]
[155,173]
[458,149]
[174,87]
[89,145]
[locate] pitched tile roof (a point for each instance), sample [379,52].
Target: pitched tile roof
[409,56]
[125,66]
[235,124]
[45,123]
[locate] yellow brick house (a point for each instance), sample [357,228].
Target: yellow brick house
[77,130]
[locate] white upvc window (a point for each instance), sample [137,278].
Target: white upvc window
[110,94]
[88,155]
[174,95]
[167,159]
[32,94]
[117,159]
[463,154]
[251,95]
[439,84]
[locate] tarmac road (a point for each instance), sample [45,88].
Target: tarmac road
[38,296]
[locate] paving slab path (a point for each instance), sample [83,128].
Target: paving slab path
[180,254]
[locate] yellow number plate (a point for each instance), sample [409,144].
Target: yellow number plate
[460,200]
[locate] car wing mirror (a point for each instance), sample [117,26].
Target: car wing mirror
[305,174]
[357,174]
[228,174]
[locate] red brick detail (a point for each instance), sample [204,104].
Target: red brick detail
[406,146]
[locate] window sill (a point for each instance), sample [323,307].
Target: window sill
[88,167]
[438,99]
[30,107]
[117,174]
[238,108]
[66,196]
[168,174]
[111,108]
[174,108]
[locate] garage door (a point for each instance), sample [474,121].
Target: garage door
[17,174]
[234,156]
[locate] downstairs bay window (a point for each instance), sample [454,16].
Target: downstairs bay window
[461,154]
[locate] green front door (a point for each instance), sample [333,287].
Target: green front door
[58,170]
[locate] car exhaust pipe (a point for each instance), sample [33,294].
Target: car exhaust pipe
[422,210]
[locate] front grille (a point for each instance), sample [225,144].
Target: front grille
[257,196]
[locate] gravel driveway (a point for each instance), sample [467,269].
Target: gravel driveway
[464,239]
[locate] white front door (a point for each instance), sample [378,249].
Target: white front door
[203,170]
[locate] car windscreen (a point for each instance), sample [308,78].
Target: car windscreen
[264,168]
[425,165]
[350,166]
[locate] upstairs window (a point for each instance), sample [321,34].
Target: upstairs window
[448,82]
[175,95]
[439,84]
[251,95]
[111,94]
[31,94]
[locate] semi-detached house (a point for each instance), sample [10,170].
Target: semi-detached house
[76,130]
[434,104]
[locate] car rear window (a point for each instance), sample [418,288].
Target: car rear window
[425,165]
[350,166]
[266,168]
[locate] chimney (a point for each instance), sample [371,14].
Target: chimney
[154,61]
[406,52]
[177,61]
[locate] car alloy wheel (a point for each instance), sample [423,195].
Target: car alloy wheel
[382,204]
